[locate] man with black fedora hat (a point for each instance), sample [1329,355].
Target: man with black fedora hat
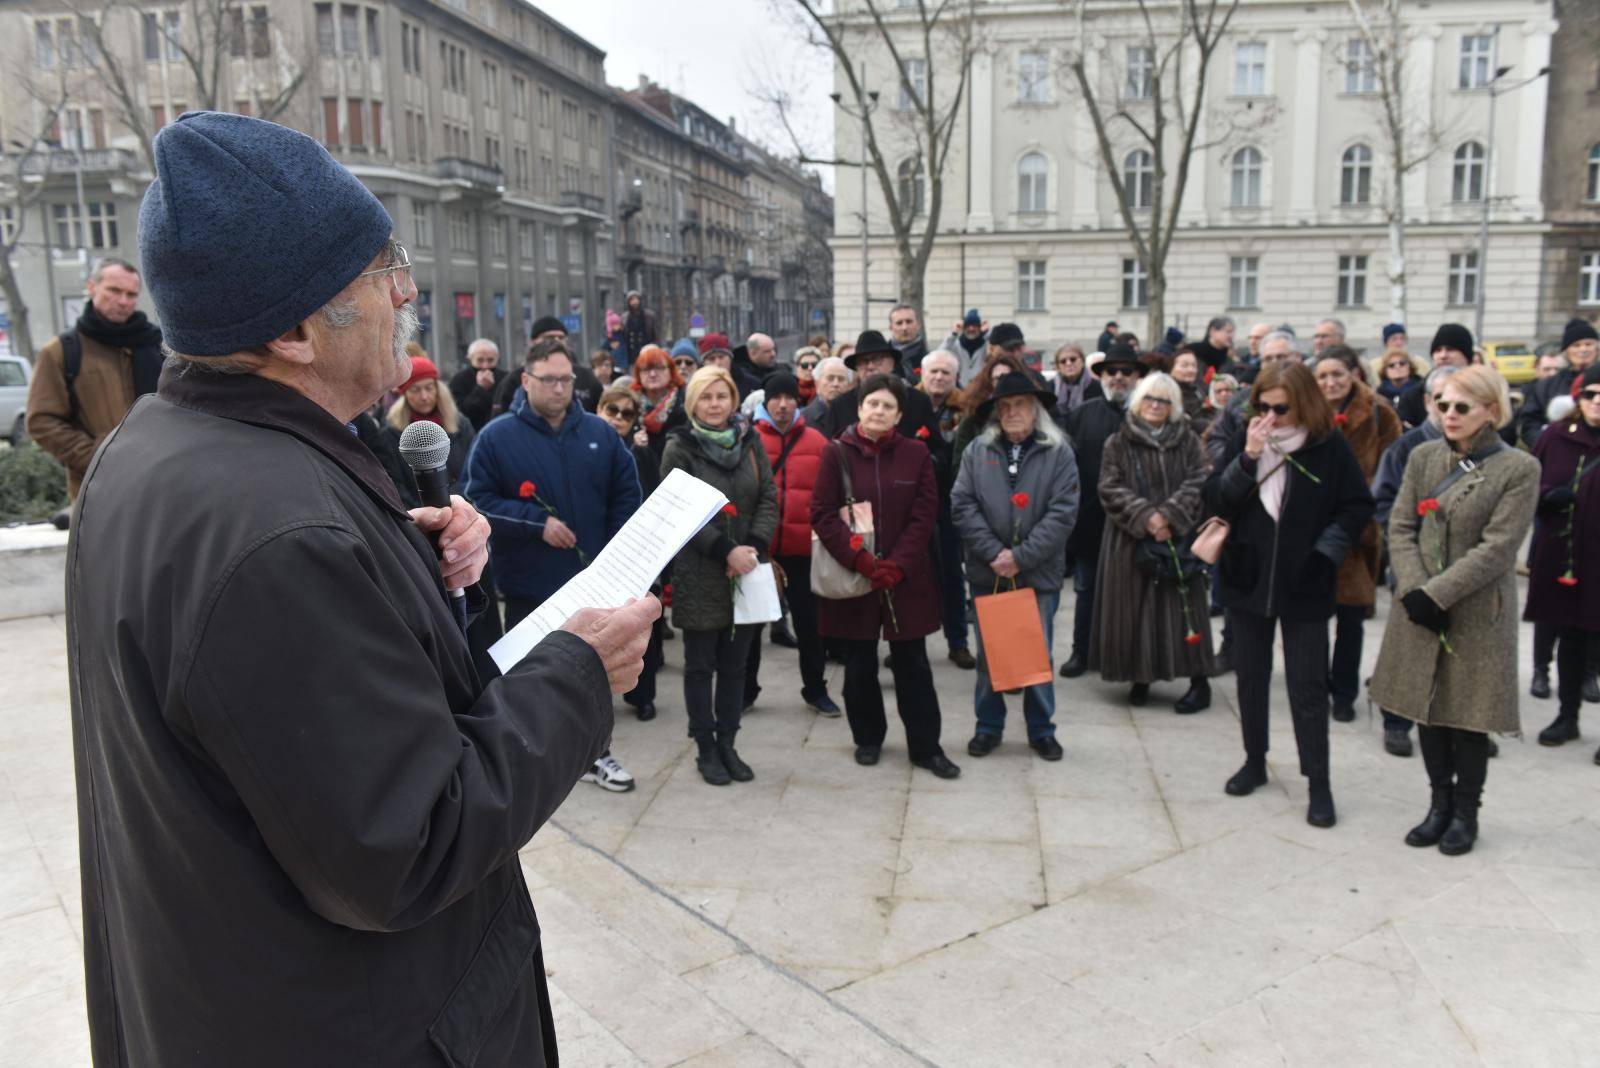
[299,806]
[1090,425]
[874,355]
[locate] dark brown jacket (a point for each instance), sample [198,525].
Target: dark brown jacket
[105,393]
[1370,427]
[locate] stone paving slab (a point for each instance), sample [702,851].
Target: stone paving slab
[1115,908]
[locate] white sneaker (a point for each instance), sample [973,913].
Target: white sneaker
[609,775]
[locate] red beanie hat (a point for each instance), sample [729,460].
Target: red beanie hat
[422,369]
[713,341]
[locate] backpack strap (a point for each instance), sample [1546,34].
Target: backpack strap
[71,364]
[1467,465]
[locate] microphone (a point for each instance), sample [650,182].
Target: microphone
[425,447]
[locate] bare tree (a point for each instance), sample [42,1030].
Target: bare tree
[32,162]
[1409,134]
[206,35]
[1161,104]
[929,87]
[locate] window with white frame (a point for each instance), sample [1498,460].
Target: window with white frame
[1360,76]
[1355,175]
[1250,68]
[1244,273]
[1030,285]
[1245,190]
[1462,280]
[1033,176]
[1477,60]
[1135,286]
[1466,173]
[1592,186]
[1352,284]
[552,249]
[911,186]
[421,225]
[1138,178]
[1589,278]
[1033,77]
[917,91]
[100,234]
[462,237]
[1141,68]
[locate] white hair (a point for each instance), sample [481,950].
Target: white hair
[1283,335]
[483,343]
[1043,425]
[955,364]
[829,363]
[1162,386]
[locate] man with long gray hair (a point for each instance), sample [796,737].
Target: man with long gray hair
[282,746]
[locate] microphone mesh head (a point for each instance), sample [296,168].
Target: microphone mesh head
[424,446]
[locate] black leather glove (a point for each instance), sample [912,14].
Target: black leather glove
[1425,611]
[1558,498]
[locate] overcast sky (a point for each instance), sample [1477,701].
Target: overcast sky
[717,53]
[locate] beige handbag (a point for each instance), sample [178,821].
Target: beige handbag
[1209,539]
[830,578]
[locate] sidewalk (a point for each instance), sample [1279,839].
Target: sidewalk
[1115,908]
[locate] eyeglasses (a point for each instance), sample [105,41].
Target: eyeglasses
[1275,409]
[682,364]
[621,413]
[1119,372]
[400,273]
[1398,363]
[1590,395]
[807,365]
[1459,407]
[554,381]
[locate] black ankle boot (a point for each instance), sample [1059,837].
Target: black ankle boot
[1197,699]
[1540,687]
[1461,834]
[1319,812]
[1435,823]
[738,769]
[1076,665]
[1139,695]
[1247,778]
[709,762]
[1563,729]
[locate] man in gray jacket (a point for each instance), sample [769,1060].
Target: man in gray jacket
[1015,502]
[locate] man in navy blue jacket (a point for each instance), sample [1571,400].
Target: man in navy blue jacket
[556,484]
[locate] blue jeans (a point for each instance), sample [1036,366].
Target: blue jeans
[1038,702]
[952,583]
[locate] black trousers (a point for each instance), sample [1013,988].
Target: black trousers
[1457,763]
[713,678]
[803,611]
[914,695]
[1305,655]
[1344,668]
[1573,665]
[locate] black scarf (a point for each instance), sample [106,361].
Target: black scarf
[137,335]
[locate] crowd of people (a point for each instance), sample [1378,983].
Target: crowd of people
[932,476]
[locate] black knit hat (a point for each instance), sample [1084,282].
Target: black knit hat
[1578,330]
[1003,335]
[781,384]
[545,324]
[1452,336]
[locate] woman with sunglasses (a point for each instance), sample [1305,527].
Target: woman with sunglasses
[1399,376]
[619,406]
[1564,587]
[1074,383]
[659,390]
[1297,501]
[806,359]
[1449,656]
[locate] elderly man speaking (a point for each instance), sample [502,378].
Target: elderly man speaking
[299,807]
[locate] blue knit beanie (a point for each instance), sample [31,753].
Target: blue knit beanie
[685,346]
[1391,330]
[248,229]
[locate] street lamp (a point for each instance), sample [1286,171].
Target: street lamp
[1495,89]
[869,106]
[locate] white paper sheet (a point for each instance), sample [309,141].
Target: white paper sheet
[626,567]
[755,597]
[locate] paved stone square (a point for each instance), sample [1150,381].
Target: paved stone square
[1115,908]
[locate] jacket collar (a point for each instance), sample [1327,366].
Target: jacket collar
[262,402]
[525,413]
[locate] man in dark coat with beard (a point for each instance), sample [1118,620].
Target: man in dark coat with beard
[1090,425]
[299,808]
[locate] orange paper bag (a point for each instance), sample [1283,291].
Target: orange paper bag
[1013,640]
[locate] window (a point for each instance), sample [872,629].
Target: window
[349,30]
[353,123]
[497,238]
[377,126]
[330,121]
[1030,285]
[1360,76]
[326,43]
[1466,175]
[525,241]
[1355,175]
[1243,273]
[1477,56]
[8,225]
[249,32]
[519,97]
[1135,287]
[912,94]
[461,235]
[102,231]
[1589,278]
[411,48]
[1141,68]
[1352,287]
[1593,186]
[1033,78]
[1138,177]
[374,34]
[1463,278]
[911,187]
[1250,68]
[545,111]
[491,86]
[1033,175]
[421,231]
[552,251]
[574,249]
[1245,191]
[44,43]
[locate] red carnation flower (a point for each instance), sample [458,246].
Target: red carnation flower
[1020,500]
[922,433]
[729,509]
[1192,638]
[527,490]
[857,542]
[1427,506]
[1341,420]
[1569,579]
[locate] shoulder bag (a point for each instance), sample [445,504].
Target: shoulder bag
[829,578]
[1211,536]
[1162,561]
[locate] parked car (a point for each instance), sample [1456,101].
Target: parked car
[15,374]
[1514,360]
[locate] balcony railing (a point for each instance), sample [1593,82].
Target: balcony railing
[484,176]
[55,162]
[572,198]
[716,265]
